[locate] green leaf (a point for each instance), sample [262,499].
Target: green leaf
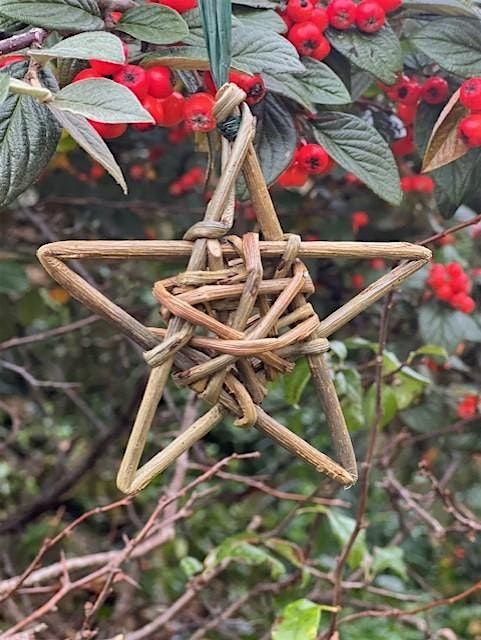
[457,182]
[288,550]
[443,326]
[153,23]
[379,53]
[323,84]
[64,15]
[433,350]
[102,100]
[13,278]
[217,28]
[442,7]
[87,137]
[257,4]
[389,558]
[360,149]
[342,527]
[454,43]
[83,45]
[352,402]
[276,138]
[432,411]
[249,554]
[426,117]
[267,20]
[295,383]
[258,50]
[4,87]
[28,137]
[191,566]
[299,620]
[388,404]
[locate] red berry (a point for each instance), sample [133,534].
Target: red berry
[319,18]
[179,5]
[359,219]
[134,78]
[407,184]
[406,112]
[407,90]
[466,305]
[287,21]
[390,5]
[341,13]
[470,130]
[252,85]
[293,176]
[461,283]
[313,159]
[470,94]
[97,172]
[172,107]
[444,292]
[108,68]
[156,110]
[323,50]
[437,276]
[403,146]
[422,184]
[197,112]
[116,16]
[357,280]
[454,269]
[177,134]
[4,61]
[109,131]
[468,407]
[370,16]
[160,82]
[377,264]
[435,90]
[137,172]
[86,74]
[306,37]
[299,10]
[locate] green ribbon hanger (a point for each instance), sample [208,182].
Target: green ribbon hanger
[217,24]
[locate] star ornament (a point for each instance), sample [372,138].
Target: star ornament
[237,317]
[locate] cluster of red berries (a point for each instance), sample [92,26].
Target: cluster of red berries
[309,160]
[417,183]
[470,126]
[179,5]
[307,21]
[451,284]
[468,407]
[407,93]
[155,89]
[187,182]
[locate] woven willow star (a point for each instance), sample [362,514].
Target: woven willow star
[236,318]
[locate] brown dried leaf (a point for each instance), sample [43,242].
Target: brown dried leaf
[445,145]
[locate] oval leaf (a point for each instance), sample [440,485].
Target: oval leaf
[4,86]
[105,45]
[102,100]
[359,148]
[445,144]
[28,137]
[299,621]
[258,50]
[65,15]
[153,23]
[379,53]
[86,137]
[323,84]
[454,43]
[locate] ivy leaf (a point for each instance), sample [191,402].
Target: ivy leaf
[342,527]
[445,144]
[454,43]
[389,558]
[295,383]
[28,137]
[64,15]
[4,87]
[360,149]
[299,620]
[105,45]
[87,137]
[447,328]
[102,100]
[153,23]
[379,53]
[258,50]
